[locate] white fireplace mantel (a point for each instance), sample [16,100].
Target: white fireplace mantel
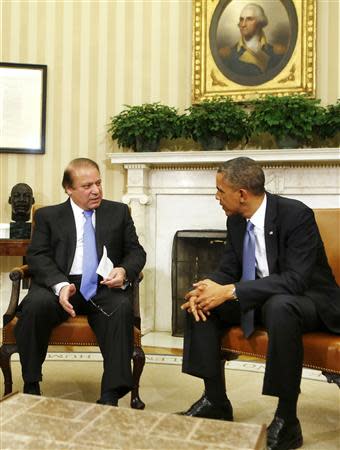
[317,156]
[171,191]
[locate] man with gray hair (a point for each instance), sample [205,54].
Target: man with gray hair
[252,55]
[68,241]
[274,273]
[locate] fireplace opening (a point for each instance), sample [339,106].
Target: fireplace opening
[195,254]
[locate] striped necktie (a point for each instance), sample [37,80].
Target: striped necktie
[89,279]
[248,273]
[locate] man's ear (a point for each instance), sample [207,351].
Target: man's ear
[33,201]
[243,195]
[10,200]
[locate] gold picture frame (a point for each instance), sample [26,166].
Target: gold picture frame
[220,66]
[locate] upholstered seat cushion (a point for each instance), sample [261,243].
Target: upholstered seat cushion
[75,331]
[321,350]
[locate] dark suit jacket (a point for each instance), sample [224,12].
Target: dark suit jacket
[296,260]
[51,252]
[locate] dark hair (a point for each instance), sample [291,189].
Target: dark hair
[75,163]
[244,173]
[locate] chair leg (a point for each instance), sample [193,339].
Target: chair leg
[6,351]
[138,365]
[226,355]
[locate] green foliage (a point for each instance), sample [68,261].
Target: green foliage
[150,122]
[330,124]
[293,116]
[220,116]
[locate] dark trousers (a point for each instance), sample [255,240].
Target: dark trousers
[40,312]
[285,318]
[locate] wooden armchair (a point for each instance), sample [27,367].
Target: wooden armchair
[75,331]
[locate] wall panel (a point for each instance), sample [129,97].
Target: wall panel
[104,54]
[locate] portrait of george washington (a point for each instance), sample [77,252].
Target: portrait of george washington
[252,42]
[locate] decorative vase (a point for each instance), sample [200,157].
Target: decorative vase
[146,145]
[213,142]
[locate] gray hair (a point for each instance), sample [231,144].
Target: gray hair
[259,14]
[244,173]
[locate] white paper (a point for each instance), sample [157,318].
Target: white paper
[105,265]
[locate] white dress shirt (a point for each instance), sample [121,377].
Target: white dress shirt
[77,265]
[260,244]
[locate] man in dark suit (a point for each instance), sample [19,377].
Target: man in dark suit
[292,291]
[58,256]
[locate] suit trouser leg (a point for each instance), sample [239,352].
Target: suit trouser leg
[286,318]
[115,338]
[38,313]
[202,340]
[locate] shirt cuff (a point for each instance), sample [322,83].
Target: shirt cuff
[56,288]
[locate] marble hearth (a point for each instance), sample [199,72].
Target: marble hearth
[171,191]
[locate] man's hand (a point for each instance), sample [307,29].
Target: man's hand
[116,278]
[205,296]
[65,294]
[192,307]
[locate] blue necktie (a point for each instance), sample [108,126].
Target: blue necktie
[89,279]
[248,273]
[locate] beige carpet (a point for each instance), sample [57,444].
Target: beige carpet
[164,388]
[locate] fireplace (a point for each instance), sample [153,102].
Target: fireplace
[195,254]
[171,191]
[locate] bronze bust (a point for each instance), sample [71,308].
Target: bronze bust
[21,199]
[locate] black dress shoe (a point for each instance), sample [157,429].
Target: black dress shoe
[32,388]
[284,436]
[204,408]
[109,398]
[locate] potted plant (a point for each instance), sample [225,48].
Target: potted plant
[291,120]
[215,122]
[141,127]
[330,124]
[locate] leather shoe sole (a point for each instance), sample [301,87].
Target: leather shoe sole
[107,402]
[283,436]
[204,408]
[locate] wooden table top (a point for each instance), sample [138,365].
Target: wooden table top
[13,247]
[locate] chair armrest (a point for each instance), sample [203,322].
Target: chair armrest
[16,275]
[19,273]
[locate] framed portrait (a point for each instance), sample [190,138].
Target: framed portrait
[248,49]
[22,108]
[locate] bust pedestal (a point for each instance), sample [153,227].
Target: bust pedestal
[20,230]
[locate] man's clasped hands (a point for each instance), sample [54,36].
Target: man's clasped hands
[206,296]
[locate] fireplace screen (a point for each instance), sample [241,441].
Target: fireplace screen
[195,254]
